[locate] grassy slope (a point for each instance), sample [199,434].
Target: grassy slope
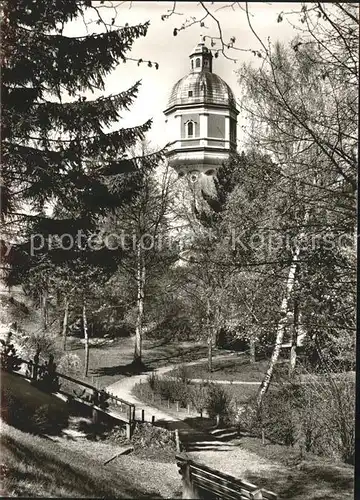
[236,368]
[40,467]
[112,361]
[27,393]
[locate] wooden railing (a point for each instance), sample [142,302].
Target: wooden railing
[98,399]
[200,481]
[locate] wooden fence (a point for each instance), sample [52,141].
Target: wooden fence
[200,481]
[100,401]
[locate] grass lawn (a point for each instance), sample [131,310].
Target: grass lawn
[280,469]
[309,477]
[112,360]
[30,409]
[236,368]
[33,466]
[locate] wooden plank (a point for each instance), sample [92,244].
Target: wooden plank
[217,475]
[221,484]
[216,488]
[269,495]
[124,451]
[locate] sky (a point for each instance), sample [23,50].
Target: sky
[172,52]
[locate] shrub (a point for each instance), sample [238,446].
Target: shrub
[153,380]
[328,417]
[47,380]
[148,436]
[182,374]
[173,390]
[145,436]
[45,419]
[10,361]
[278,416]
[165,387]
[317,415]
[198,394]
[41,341]
[218,403]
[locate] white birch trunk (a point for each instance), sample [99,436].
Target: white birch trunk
[294,337]
[140,305]
[44,306]
[252,350]
[86,339]
[280,328]
[65,321]
[209,335]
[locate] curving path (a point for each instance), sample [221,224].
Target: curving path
[123,388]
[193,439]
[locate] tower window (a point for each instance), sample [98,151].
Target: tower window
[192,64]
[197,62]
[190,129]
[190,93]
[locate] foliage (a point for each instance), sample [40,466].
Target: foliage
[30,410]
[48,380]
[211,397]
[182,374]
[199,396]
[48,420]
[218,403]
[9,360]
[60,158]
[40,341]
[145,436]
[169,388]
[316,416]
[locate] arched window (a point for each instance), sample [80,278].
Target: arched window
[197,62]
[190,129]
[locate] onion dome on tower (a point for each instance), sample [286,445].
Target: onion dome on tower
[201,119]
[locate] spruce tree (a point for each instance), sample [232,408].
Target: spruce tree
[56,152]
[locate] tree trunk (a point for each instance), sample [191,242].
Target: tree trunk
[209,336]
[58,305]
[294,337]
[210,352]
[65,321]
[280,329]
[44,307]
[86,338]
[140,305]
[284,310]
[252,350]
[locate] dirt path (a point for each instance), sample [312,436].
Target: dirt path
[123,389]
[192,438]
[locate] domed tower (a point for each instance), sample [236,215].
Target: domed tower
[201,119]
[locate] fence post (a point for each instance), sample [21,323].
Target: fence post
[35,367]
[177,441]
[142,415]
[153,419]
[188,408]
[95,413]
[129,423]
[177,405]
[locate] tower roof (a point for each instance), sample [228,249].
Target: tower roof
[201,88]
[201,85]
